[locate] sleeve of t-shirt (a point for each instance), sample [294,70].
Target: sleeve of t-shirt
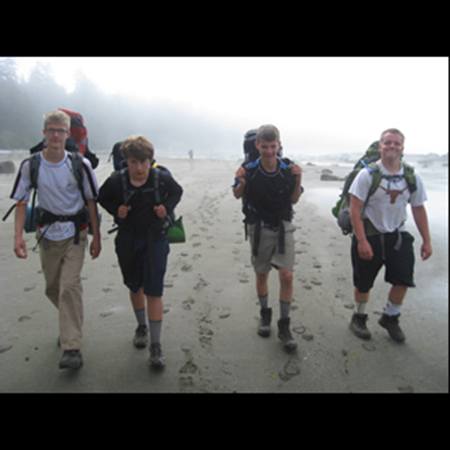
[87,186]
[419,196]
[361,185]
[22,186]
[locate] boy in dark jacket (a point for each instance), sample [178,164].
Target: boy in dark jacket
[142,198]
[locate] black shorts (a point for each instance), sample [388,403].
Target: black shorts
[142,262]
[399,263]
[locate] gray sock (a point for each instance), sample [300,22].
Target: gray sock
[361,307]
[155,331]
[140,316]
[285,308]
[263,301]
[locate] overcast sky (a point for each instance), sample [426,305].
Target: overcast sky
[321,105]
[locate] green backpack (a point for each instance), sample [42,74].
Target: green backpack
[341,211]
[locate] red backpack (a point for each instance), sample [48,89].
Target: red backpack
[78,132]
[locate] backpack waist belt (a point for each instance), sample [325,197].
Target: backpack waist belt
[372,231]
[79,219]
[257,236]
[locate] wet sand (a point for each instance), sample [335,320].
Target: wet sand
[211,310]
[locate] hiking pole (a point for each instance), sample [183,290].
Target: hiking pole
[11,209]
[40,238]
[8,212]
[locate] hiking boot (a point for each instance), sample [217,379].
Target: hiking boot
[71,359]
[285,335]
[140,339]
[358,326]
[264,322]
[390,323]
[156,357]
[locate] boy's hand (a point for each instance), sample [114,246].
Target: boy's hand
[122,211]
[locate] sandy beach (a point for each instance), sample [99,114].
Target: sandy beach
[211,311]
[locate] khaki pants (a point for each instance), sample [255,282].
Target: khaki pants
[61,263]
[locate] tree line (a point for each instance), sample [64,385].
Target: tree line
[109,118]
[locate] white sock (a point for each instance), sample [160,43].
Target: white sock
[360,307]
[391,309]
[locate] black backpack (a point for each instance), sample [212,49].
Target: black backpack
[250,151]
[119,161]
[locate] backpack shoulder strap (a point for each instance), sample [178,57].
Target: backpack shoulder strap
[156,173]
[35,162]
[375,171]
[285,163]
[252,164]
[77,170]
[410,177]
[127,191]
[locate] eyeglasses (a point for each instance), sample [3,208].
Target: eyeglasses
[56,130]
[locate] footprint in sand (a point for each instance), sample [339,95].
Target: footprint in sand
[187,304]
[307,287]
[405,389]
[369,347]
[5,348]
[345,355]
[316,282]
[106,314]
[225,313]
[186,381]
[200,284]
[23,318]
[189,366]
[290,369]
[186,267]
[106,290]
[29,288]
[196,244]
[299,329]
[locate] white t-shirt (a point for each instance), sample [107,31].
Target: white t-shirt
[386,208]
[57,192]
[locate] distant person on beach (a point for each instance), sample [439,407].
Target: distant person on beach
[270,186]
[380,237]
[191,154]
[62,228]
[141,244]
